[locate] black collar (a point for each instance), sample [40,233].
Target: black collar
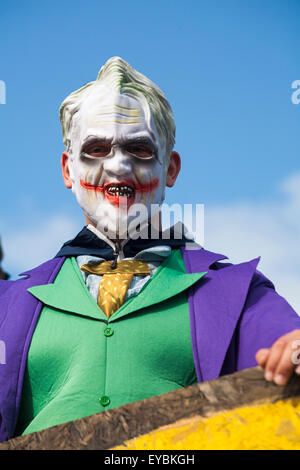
[87,243]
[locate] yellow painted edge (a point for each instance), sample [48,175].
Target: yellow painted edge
[271,426]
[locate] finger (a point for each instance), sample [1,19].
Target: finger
[262,356]
[285,367]
[296,353]
[274,358]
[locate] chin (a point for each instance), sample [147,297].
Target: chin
[110,219]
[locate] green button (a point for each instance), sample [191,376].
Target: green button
[108,331]
[104,401]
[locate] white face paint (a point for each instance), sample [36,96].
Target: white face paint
[116,160]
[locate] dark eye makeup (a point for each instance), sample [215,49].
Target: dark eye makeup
[97,149]
[102,149]
[141,151]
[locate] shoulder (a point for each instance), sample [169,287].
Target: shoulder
[216,264]
[45,273]
[239,280]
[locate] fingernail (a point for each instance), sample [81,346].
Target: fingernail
[279,379]
[264,355]
[269,376]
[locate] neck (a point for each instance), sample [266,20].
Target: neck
[120,242]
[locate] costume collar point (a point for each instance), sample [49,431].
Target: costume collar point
[208,258]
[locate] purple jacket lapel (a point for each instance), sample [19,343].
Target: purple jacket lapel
[215,307]
[18,316]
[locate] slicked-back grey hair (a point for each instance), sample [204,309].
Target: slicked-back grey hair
[119,76]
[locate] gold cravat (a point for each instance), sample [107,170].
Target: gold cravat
[115,282]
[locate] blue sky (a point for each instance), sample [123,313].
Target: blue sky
[226,68]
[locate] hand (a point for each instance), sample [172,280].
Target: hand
[281,359]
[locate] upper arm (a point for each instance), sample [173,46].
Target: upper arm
[266,316]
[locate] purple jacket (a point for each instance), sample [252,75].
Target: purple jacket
[234,311]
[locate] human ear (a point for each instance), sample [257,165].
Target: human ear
[65,170]
[173,169]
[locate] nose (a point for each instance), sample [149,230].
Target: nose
[118,164]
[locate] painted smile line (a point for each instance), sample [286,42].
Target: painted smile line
[121,192]
[128,186]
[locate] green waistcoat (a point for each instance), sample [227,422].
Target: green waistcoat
[80,363]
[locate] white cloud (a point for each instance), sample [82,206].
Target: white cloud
[244,231]
[30,246]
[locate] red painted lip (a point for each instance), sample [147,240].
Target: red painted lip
[92,187]
[138,188]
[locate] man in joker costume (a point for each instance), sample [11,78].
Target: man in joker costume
[111,320]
